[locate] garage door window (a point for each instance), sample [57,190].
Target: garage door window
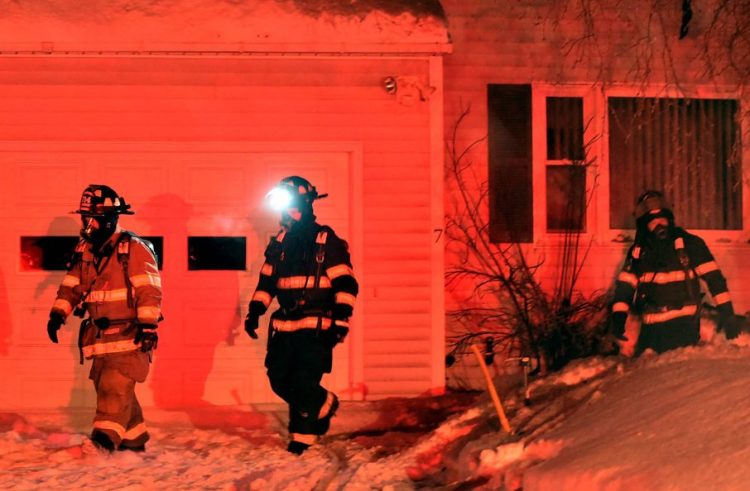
[216,253]
[52,252]
[46,253]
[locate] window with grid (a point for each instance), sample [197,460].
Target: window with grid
[566,165]
[687,148]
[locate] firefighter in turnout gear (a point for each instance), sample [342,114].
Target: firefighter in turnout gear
[113,277]
[660,281]
[307,268]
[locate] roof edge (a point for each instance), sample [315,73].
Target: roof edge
[224,50]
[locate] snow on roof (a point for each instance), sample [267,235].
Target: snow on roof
[222,26]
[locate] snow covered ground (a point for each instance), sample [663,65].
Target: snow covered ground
[679,421]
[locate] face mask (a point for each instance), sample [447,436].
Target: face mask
[290,217]
[96,230]
[661,232]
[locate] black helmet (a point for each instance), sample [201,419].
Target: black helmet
[99,200]
[651,201]
[294,191]
[300,188]
[649,205]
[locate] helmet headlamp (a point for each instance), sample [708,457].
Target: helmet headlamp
[279,198]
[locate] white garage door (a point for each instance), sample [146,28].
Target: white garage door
[198,198]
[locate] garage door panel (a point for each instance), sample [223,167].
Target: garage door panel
[152,179]
[50,183]
[203,182]
[30,314]
[236,387]
[41,183]
[56,392]
[32,327]
[208,324]
[42,356]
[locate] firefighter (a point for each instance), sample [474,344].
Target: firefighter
[660,281]
[113,277]
[307,268]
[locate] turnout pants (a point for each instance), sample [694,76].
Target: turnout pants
[118,413]
[665,336]
[296,362]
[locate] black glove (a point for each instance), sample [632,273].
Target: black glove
[617,325]
[53,325]
[146,336]
[731,325]
[337,333]
[251,325]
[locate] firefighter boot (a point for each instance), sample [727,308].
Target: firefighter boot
[327,412]
[102,441]
[296,447]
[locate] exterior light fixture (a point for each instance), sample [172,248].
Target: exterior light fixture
[390,85]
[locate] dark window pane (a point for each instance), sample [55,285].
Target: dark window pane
[47,253]
[510,177]
[687,148]
[216,253]
[158,243]
[565,128]
[566,198]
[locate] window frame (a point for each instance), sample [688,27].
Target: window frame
[539,95]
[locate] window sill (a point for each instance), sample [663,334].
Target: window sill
[728,238]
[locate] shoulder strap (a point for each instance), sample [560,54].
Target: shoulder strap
[633,259]
[320,257]
[123,246]
[684,257]
[679,246]
[123,256]
[77,255]
[80,247]
[273,249]
[320,254]
[636,253]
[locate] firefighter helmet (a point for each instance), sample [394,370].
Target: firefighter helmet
[651,202]
[649,206]
[99,200]
[294,191]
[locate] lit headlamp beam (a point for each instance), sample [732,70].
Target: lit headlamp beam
[279,199]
